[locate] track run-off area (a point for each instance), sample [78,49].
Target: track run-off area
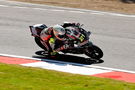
[114,33]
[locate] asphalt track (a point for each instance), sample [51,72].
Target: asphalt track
[114,33]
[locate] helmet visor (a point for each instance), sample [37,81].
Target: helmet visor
[61,36]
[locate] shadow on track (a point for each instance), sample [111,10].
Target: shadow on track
[68,58]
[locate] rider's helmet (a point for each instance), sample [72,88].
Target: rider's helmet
[59,32]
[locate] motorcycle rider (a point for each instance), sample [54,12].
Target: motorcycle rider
[54,37]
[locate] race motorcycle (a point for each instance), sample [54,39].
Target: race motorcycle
[74,35]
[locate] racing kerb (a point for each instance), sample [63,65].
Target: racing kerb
[75,68]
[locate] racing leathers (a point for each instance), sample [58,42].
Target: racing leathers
[53,38]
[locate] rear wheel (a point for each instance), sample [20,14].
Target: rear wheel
[38,42]
[94,52]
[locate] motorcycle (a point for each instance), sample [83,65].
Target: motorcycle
[74,35]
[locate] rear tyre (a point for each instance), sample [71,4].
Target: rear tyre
[38,42]
[94,52]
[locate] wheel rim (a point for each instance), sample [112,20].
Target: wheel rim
[94,53]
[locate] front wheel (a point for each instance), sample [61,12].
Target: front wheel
[94,52]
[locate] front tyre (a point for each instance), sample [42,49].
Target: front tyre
[94,52]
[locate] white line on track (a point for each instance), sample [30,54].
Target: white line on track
[76,12]
[81,11]
[57,10]
[40,8]
[117,14]
[3,6]
[76,64]
[19,7]
[98,13]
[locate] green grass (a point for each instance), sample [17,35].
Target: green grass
[16,77]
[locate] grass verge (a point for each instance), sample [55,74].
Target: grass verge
[16,77]
[102,5]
